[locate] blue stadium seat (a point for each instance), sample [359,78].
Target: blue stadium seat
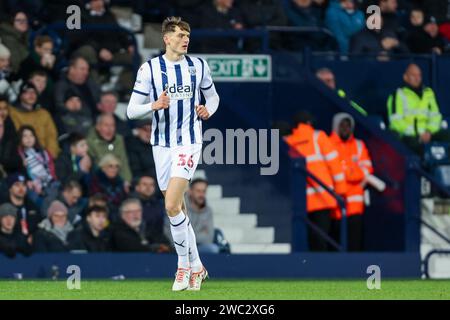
[436,153]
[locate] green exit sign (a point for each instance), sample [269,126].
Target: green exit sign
[240,67]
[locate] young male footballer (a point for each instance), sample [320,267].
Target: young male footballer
[169,87]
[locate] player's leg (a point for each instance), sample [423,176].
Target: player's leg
[179,230]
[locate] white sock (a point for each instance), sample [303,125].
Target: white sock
[180,236]
[194,258]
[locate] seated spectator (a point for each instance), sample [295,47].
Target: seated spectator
[10,160]
[77,80]
[224,16]
[14,35]
[416,20]
[103,139]
[26,112]
[381,42]
[45,91]
[108,104]
[129,234]
[201,216]
[53,230]
[426,39]
[139,151]
[391,19]
[73,119]
[41,58]
[323,162]
[413,112]
[11,241]
[71,196]
[108,46]
[327,77]
[37,161]
[77,164]
[357,165]
[107,181]
[153,211]
[344,21]
[6,77]
[28,213]
[99,200]
[93,234]
[302,13]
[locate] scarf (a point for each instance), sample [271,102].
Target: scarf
[60,232]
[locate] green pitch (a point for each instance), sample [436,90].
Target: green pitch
[228,289]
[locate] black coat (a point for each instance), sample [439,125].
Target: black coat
[45,241]
[29,212]
[140,157]
[11,244]
[82,238]
[9,156]
[126,239]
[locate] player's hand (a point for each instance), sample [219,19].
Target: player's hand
[162,102]
[202,112]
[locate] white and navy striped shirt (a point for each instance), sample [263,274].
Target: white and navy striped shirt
[178,124]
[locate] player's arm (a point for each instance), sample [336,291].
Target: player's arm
[138,106]
[210,94]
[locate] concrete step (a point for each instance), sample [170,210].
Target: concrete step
[214,192]
[263,235]
[249,220]
[281,248]
[225,206]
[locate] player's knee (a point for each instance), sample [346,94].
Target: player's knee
[173,208]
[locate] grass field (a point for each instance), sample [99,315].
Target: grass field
[228,289]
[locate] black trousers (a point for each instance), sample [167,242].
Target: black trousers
[354,232]
[322,220]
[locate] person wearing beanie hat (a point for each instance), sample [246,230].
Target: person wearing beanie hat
[12,241]
[53,231]
[73,118]
[26,112]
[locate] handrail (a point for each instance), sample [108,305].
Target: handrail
[432,180]
[427,259]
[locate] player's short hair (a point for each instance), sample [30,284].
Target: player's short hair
[170,23]
[40,40]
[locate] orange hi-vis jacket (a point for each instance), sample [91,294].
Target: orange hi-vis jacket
[356,162]
[322,160]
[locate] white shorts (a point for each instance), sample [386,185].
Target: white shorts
[179,161]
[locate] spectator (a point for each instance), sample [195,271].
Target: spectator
[357,165]
[73,119]
[416,20]
[103,139]
[45,92]
[41,58]
[224,16]
[389,14]
[108,46]
[77,164]
[262,13]
[153,211]
[11,241]
[77,79]
[37,160]
[327,77]
[413,112]
[93,234]
[201,216]
[381,42]
[71,196]
[302,13]
[426,39]
[9,157]
[322,161]
[108,104]
[28,213]
[53,230]
[15,36]
[139,150]
[344,21]
[107,181]
[97,199]
[26,112]
[129,233]
[6,78]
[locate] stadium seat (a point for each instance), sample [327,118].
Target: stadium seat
[219,239]
[436,153]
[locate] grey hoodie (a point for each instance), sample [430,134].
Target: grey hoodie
[337,119]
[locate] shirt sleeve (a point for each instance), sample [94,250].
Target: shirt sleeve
[142,85]
[206,82]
